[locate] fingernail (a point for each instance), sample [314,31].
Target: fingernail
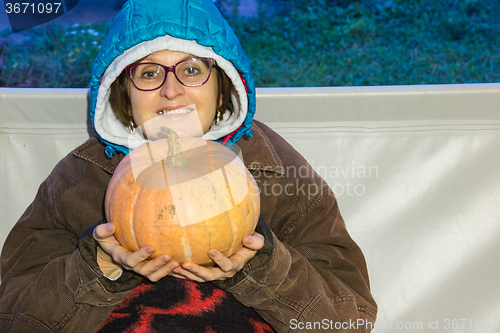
[150,250]
[248,240]
[109,226]
[212,254]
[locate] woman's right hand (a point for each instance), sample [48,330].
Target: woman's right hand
[112,257]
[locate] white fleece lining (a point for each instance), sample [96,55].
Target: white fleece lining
[111,129]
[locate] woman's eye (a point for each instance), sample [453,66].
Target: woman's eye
[150,74]
[147,72]
[191,71]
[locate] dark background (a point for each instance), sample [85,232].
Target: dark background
[293,43]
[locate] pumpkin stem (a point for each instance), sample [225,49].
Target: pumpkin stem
[174,158]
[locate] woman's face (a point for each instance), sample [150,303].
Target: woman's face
[189,111]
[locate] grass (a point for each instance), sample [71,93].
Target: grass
[352,43]
[53,56]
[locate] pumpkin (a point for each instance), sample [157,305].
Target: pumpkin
[184,198]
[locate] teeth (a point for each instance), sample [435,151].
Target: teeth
[176,111]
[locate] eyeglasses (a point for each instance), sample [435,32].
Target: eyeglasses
[191,72]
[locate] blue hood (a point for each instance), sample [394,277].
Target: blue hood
[192,26]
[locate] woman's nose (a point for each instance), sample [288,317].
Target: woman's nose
[171,87]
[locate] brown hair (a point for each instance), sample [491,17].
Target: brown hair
[120,100]
[224,92]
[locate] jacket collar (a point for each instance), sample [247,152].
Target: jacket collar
[258,153]
[93,151]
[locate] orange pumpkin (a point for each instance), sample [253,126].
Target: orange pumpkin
[184,198]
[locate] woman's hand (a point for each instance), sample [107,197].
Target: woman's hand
[226,267]
[112,257]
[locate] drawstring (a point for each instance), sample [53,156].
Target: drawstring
[109,151]
[249,133]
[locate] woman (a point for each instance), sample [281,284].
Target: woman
[62,269]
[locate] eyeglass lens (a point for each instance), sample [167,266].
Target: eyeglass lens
[190,72]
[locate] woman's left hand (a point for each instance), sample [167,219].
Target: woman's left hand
[225,267]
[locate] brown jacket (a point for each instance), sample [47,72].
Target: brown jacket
[315,280]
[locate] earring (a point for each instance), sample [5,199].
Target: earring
[218,118]
[131,127]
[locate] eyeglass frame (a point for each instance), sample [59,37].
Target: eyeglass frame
[168,69]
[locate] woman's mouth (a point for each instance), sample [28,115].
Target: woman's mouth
[176,111]
[182,119]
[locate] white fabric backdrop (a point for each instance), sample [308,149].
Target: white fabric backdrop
[415,170]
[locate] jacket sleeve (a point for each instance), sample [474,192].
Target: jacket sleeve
[47,286]
[316,278]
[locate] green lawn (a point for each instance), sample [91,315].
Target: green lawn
[354,43]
